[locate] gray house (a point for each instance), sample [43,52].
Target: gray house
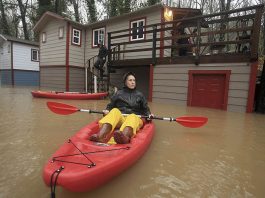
[179,56]
[19,61]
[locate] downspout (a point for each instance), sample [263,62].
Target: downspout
[85,63]
[162,32]
[151,76]
[67,57]
[12,64]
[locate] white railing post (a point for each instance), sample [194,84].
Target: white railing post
[95,84]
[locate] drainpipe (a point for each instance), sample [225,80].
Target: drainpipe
[85,63]
[12,63]
[67,57]
[154,45]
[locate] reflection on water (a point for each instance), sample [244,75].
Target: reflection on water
[225,158]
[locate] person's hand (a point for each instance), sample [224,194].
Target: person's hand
[105,112]
[150,116]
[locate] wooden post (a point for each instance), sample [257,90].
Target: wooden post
[109,52]
[154,45]
[198,41]
[255,35]
[151,76]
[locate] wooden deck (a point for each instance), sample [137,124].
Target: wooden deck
[224,37]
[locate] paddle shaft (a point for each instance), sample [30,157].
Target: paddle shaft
[141,116]
[90,111]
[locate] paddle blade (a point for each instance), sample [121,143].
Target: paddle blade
[61,108]
[192,121]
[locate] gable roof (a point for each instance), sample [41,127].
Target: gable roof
[47,16]
[10,38]
[156,7]
[139,11]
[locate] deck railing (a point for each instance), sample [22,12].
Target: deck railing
[234,32]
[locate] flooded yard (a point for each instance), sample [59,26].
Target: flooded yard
[224,158]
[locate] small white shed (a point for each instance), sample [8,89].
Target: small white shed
[19,61]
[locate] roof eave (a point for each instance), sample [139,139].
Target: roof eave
[4,38]
[157,6]
[42,21]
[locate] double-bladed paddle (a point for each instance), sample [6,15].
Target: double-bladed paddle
[187,121]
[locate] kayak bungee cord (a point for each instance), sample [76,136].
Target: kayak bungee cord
[91,152]
[53,185]
[92,163]
[84,154]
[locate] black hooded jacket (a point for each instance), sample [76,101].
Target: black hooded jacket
[129,101]
[103,52]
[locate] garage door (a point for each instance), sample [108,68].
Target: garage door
[209,90]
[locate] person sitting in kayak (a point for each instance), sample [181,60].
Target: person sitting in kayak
[126,101]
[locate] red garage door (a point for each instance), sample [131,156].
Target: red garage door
[208,89]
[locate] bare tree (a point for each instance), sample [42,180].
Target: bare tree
[3,22]
[15,19]
[91,10]
[113,8]
[152,2]
[43,6]
[127,6]
[75,3]
[23,8]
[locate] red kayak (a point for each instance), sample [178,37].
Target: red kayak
[81,165]
[68,95]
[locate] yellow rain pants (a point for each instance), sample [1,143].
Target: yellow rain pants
[117,120]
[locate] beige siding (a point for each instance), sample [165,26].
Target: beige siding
[90,52]
[52,52]
[77,79]
[76,53]
[53,78]
[171,83]
[151,18]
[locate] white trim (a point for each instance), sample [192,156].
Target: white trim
[137,22]
[32,56]
[43,37]
[77,36]
[101,37]
[60,32]
[4,38]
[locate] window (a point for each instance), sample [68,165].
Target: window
[137,29]
[98,36]
[76,37]
[35,55]
[60,32]
[43,38]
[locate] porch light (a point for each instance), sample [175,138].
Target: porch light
[168,15]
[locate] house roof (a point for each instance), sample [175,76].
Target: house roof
[10,38]
[191,11]
[47,16]
[141,10]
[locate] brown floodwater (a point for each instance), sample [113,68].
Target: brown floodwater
[225,158]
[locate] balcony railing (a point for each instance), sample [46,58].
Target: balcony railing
[233,34]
